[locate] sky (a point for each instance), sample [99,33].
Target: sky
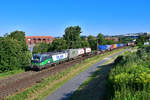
[51,17]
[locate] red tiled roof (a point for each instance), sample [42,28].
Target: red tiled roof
[39,37]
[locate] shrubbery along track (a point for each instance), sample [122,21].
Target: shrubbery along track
[24,80]
[19,82]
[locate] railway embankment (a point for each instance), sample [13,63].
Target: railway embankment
[40,84]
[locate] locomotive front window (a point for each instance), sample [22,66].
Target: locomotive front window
[36,59]
[44,57]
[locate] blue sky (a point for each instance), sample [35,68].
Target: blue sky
[51,17]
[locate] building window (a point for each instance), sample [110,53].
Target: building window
[44,40]
[34,41]
[39,40]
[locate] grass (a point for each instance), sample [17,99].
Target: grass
[52,83]
[10,73]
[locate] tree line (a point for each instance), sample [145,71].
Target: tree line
[14,53]
[72,39]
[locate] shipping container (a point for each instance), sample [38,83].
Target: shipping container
[59,56]
[87,50]
[124,44]
[118,45]
[114,46]
[102,47]
[108,47]
[72,53]
[80,51]
[111,47]
[121,44]
[132,44]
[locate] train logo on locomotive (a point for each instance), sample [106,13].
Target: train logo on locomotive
[59,57]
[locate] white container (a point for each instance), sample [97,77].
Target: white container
[87,50]
[61,56]
[80,51]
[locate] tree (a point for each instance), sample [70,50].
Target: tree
[59,44]
[56,45]
[19,36]
[125,39]
[142,38]
[92,42]
[109,42]
[72,36]
[11,55]
[100,38]
[83,37]
[40,48]
[50,47]
[84,43]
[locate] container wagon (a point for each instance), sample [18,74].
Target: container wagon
[108,47]
[72,54]
[81,52]
[87,51]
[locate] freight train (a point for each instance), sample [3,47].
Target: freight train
[43,60]
[40,61]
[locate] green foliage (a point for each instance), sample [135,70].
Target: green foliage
[100,39]
[142,38]
[10,54]
[13,52]
[125,39]
[72,33]
[92,42]
[25,54]
[56,45]
[71,39]
[83,37]
[19,36]
[72,36]
[25,59]
[84,43]
[40,48]
[109,42]
[59,44]
[130,77]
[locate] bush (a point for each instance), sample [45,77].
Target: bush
[40,48]
[129,79]
[12,56]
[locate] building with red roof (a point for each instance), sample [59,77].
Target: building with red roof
[32,40]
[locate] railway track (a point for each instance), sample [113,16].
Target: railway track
[19,82]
